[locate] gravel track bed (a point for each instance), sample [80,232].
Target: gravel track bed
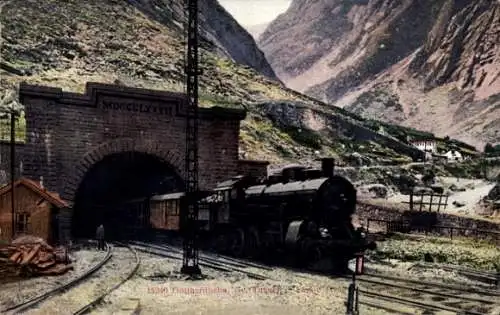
[397,268]
[287,292]
[17,292]
[163,290]
[437,296]
[371,305]
[109,275]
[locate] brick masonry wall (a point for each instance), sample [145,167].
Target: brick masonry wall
[67,133]
[253,168]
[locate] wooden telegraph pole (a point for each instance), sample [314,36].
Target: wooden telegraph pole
[13,168]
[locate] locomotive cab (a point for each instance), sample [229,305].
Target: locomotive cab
[228,194]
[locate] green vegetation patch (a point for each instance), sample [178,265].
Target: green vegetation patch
[20,129]
[491,150]
[399,132]
[460,251]
[305,137]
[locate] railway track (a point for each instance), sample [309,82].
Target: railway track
[487,277]
[83,294]
[31,302]
[238,262]
[224,264]
[407,296]
[391,294]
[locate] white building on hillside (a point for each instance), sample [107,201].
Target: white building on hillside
[425,145]
[454,155]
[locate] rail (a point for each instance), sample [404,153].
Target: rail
[219,263]
[406,226]
[32,302]
[87,308]
[431,295]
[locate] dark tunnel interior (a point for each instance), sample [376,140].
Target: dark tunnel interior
[114,192]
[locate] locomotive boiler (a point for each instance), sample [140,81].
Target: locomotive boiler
[302,213]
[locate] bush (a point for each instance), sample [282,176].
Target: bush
[491,150]
[305,137]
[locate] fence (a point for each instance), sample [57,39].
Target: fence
[406,226]
[432,200]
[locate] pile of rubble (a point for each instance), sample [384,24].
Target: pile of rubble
[31,256]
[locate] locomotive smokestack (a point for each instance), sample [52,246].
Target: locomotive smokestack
[287,175]
[293,173]
[327,166]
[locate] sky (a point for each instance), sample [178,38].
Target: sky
[255,12]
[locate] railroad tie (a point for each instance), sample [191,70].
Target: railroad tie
[130,306]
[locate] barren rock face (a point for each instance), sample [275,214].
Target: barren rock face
[463,48]
[315,41]
[233,40]
[428,64]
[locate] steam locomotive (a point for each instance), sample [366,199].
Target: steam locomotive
[303,213]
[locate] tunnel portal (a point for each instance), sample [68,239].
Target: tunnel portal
[114,193]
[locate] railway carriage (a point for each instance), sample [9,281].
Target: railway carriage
[165,211]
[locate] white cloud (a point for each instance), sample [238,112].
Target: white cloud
[254,12]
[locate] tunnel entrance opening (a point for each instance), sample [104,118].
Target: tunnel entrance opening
[115,191]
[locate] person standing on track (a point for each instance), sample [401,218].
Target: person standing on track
[100,237]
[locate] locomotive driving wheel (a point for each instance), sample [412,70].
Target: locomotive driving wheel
[237,242]
[221,242]
[315,254]
[311,252]
[252,242]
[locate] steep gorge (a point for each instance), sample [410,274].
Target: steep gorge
[429,64]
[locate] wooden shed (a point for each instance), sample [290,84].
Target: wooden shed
[36,211]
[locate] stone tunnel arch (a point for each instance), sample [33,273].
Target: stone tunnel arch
[146,161]
[76,175]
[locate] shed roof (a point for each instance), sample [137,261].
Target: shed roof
[51,197]
[170,196]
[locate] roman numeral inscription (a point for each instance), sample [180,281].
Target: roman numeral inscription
[136,107]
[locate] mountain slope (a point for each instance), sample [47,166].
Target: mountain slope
[431,64]
[220,31]
[139,43]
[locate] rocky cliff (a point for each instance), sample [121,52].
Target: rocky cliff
[232,39]
[430,64]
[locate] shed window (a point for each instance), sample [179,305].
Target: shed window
[173,207]
[22,222]
[234,193]
[170,208]
[163,208]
